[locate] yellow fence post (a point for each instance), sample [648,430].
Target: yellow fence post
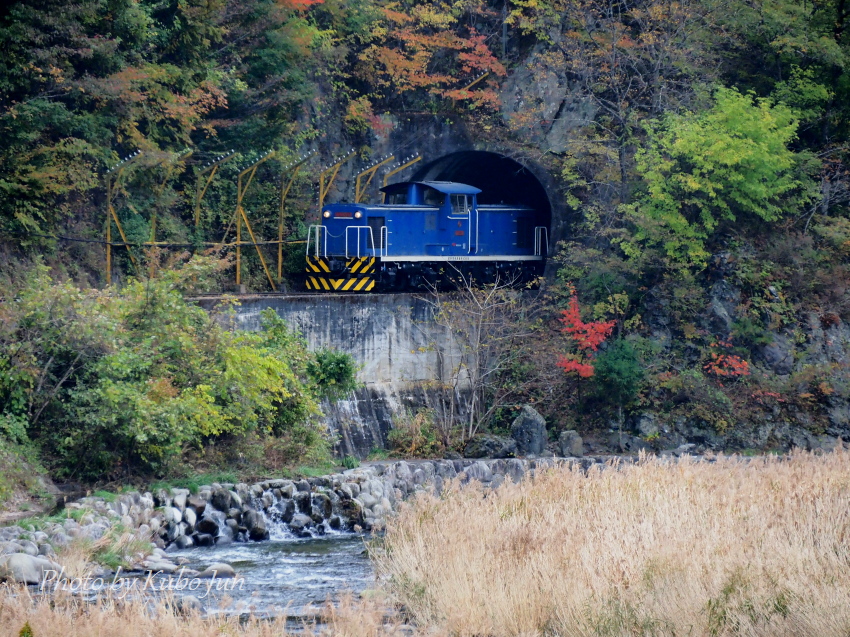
[407,162]
[111,215]
[250,171]
[359,187]
[292,170]
[204,184]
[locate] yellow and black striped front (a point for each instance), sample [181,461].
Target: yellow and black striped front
[358,275]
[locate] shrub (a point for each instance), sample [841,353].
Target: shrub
[335,373]
[695,397]
[350,462]
[415,435]
[124,381]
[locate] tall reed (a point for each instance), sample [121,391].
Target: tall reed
[733,547]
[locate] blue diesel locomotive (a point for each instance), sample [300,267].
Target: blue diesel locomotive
[423,234]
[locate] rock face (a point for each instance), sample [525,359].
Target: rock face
[490,446]
[529,432]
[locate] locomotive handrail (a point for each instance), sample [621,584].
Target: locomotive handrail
[318,229]
[474,250]
[541,235]
[380,249]
[385,240]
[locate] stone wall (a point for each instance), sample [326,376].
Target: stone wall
[219,514]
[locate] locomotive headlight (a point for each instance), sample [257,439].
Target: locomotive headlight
[326,214]
[357,215]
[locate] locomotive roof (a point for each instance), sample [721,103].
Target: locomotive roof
[447,187]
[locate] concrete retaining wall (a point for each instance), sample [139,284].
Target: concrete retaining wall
[402,353]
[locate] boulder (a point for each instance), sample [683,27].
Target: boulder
[204,539]
[188,604]
[179,500]
[303,501]
[267,499]
[529,432]
[30,548]
[207,525]
[25,569]
[256,525]
[190,518]
[10,547]
[303,485]
[570,444]
[219,569]
[184,542]
[221,500]
[322,504]
[45,550]
[299,524]
[479,471]
[490,446]
[286,509]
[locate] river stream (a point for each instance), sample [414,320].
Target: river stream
[284,574]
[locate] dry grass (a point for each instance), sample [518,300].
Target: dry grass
[731,548]
[64,616]
[691,548]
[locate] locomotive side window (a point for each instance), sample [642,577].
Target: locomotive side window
[460,205]
[397,198]
[433,197]
[376,237]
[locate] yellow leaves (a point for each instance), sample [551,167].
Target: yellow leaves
[161,389]
[428,16]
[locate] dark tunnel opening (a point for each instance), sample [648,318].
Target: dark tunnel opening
[501,179]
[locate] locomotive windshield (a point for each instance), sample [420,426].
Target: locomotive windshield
[396,198]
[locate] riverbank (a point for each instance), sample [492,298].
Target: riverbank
[698,546]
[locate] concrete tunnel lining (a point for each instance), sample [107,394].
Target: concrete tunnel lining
[500,178]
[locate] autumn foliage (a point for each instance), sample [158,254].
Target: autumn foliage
[587,338]
[431,47]
[725,365]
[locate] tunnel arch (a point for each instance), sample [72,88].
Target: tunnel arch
[500,178]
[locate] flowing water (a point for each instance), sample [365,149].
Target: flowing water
[283,575]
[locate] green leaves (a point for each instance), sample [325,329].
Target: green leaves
[728,163]
[333,372]
[125,381]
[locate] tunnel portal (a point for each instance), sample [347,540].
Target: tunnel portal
[500,178]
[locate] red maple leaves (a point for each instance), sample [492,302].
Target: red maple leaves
[726,365]
[586,336]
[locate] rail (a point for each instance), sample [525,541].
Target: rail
[318,230]
[541,241]
[379,251]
